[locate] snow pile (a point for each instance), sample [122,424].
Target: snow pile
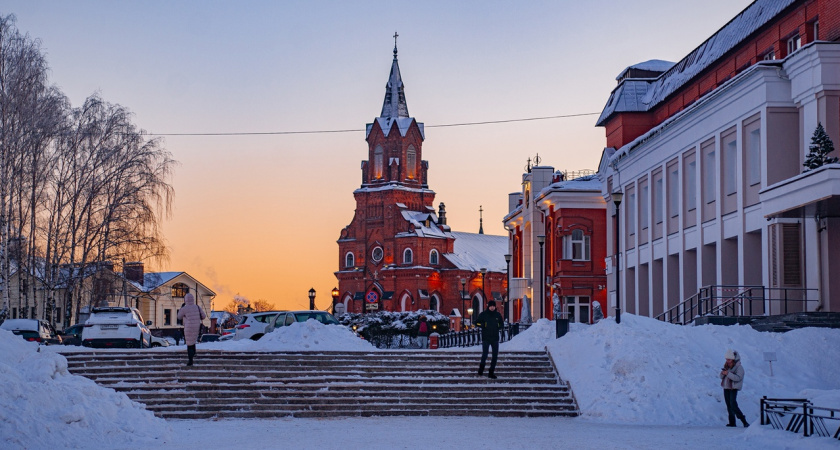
[298,337]
[647,371]
[43,406]
[536,337]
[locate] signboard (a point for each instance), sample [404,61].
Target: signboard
[371,300]
[371,306]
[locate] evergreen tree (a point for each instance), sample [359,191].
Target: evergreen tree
[820,147]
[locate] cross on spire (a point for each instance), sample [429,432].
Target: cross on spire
[395,43]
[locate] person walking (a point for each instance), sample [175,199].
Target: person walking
[192,315]
[490,322]
[423,332]
[732,380]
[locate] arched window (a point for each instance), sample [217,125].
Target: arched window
[408,256]
[180,290]
[378,162]
[433,257]
[349,260]
[576,246]
[411,162]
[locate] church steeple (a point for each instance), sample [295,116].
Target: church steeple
[394,105]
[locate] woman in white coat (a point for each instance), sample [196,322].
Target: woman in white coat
[192,315]
[732,380]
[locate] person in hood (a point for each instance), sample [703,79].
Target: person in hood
[423,332]
[732,380]
[192,315]
[491,323]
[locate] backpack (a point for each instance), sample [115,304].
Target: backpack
[423,328]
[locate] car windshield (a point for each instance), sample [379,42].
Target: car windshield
[26,334]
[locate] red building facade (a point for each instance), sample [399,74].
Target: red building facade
[398,253]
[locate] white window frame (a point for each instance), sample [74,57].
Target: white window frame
[408,256]
[794,44]
[691,186]
[349,260]
[674,192]
[434,257]
[576,246]
[658,190]
[631,214]
[730,166]
[575,302]
[373,254]
[709,188]
[643,207]
[754,157]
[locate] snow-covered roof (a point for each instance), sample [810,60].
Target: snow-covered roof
[396,187]
[475,251]
[727,38]
[403,123]
[153,280]
[394,108]
[653,65]
[418,219]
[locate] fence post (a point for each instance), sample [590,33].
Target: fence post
[763,404]
[804,407]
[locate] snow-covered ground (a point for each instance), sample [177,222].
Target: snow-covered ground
[640,384]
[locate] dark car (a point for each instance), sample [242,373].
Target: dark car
[72,335]
[209,338]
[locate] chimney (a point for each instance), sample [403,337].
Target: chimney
[442,214]
[133,271]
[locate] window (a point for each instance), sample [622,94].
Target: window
[576,246]
[769,56]
[793,44]
[631,214]
[378,162]
[408,256]
[673,192]
[691,186]
[577,309]
[376,254]
[816,30]
[643,206]
[167,317]
[180,290]
[730,154]
[349,260]
[657,200]
[753,156]
[411,163]
[433,257]
[709,190]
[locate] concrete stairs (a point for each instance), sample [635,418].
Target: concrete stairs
[330,384]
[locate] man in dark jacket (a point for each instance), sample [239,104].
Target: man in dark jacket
[490,322]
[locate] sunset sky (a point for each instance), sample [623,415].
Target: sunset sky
[260,215]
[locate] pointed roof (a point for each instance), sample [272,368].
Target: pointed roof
[394,105]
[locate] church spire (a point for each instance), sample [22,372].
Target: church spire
[394,105]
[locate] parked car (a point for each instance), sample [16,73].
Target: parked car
[159,342]
[72,335]
[289,317]
[33,330]
[116,326]
[254,325]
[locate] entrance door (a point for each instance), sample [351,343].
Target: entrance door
[577,309]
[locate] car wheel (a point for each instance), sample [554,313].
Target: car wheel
[256,337]
[134,344]
[155,345]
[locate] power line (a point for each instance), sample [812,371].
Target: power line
[463,124]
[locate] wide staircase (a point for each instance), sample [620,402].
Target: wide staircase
[330,384]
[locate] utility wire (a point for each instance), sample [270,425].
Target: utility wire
[464,124]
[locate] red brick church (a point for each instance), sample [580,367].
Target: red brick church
[398,253]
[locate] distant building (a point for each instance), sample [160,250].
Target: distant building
[398,253]
[567,211]
[708,153]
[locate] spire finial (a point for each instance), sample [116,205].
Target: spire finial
[395,44]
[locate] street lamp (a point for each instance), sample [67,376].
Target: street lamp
[541,241]
[508,257]
[334,297]
[312,298]
[616,198]
[483,293]
[463,299]
[470,312]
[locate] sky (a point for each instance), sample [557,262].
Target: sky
[639,384]
[259,216]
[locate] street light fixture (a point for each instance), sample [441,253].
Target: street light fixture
[470,312]
[312,298]
[334,297]
[616,198]
[508,257]
[541,241]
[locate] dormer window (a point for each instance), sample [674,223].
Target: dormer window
[433,257]
[180,290]
[408,256]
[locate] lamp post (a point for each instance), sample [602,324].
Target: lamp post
[483,294]
[508,257]
[470,312]
[616,198]
[312,298]
[541,241]
[334,297]
[463,300]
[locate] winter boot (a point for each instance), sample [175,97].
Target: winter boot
[491,375]
[190,354]
[480,372]
[744,421]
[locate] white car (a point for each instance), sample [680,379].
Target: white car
[33,330]
[253,326]
[159,342]
[116,326]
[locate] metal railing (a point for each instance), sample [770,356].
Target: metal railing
[736,301]
[798,414]
[472,337]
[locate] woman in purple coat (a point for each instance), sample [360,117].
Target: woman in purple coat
[192,315]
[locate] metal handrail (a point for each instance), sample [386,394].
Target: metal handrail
[800,414]
[709,301]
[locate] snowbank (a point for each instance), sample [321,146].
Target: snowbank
[43,406]
[299,336]
[647,371]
